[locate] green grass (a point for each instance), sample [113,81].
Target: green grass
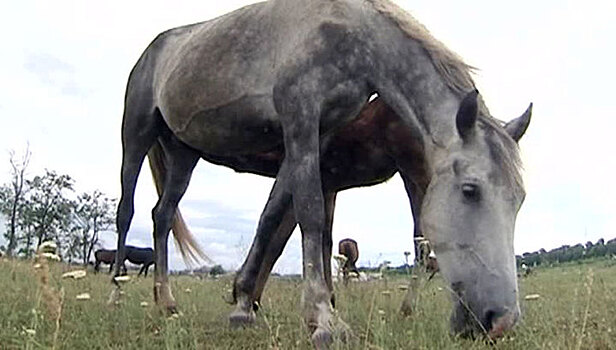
[576,310]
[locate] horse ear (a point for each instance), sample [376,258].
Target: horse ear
[467,115]
[517,127]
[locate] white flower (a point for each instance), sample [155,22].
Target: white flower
[77,274]
[144,304]
[48,246]
[122,278]
[51,256]
[29,331]
[83,296]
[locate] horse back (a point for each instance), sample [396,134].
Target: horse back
[138,255]
[199,75]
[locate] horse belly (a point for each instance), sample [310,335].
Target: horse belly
[246,125]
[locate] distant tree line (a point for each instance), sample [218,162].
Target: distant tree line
[213,271]
[568,253]
[45,207]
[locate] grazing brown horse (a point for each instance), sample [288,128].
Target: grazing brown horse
[140,256]
[348,248]
[290,73]
[136,255]
[105,256]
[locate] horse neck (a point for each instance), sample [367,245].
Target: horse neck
[422,100]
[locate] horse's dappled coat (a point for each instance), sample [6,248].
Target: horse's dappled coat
[289,73]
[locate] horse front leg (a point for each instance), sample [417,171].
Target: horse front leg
[302,147]
[415,193]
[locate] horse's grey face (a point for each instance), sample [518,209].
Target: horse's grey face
[468,215]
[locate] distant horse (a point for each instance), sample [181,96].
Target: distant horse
[432,266]
[140,256]
[526,270]
[291,73]
[105,256]
[136,255]
[348,248]
[425,258]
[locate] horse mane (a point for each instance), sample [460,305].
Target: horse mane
[457,75]
[449,65]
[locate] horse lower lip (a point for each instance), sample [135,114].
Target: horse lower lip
[502,324]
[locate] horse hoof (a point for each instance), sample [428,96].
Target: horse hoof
[239,319]
[321,339]
[343,331]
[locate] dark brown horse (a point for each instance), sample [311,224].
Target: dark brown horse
[104,256]
[348,248]
[136,255]
[290,73]
[140,256]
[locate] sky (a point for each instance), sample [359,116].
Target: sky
[64,67]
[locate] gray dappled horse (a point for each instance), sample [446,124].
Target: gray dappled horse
[287,72]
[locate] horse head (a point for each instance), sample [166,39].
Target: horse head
[469,214]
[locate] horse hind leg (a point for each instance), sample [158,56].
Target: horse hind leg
[251,278]
[139,132]
[142,269]
[181,161]
[330,204]
[147,267]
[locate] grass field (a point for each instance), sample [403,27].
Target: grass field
[576,310]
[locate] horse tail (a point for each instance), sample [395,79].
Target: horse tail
[184,239]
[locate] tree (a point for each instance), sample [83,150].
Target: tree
[92,213]
[12,197]
[46,210]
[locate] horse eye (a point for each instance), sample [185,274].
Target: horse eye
[470,191]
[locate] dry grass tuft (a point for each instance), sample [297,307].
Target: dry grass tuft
[53,298]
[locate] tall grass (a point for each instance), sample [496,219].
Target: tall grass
[576,310]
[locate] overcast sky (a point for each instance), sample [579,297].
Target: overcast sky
[64,67]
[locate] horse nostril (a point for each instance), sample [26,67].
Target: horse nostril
[497,322]
[458,288]
[489,318]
